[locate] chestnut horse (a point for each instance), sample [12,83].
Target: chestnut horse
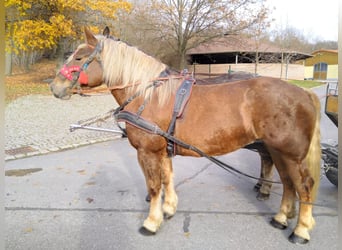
[218,119]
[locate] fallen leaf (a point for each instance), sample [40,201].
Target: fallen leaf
[90,183]
[28,230]
[82,172]
[90,200]
[230,188]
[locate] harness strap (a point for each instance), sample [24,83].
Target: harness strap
[154,84]
[181,99]
[153,128]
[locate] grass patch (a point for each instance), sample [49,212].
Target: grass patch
[16,90]
[29,83]
[305,83]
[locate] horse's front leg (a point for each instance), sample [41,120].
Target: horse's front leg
[150,164]
[170,199]
[157,169]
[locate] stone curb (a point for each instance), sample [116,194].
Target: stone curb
[9,157]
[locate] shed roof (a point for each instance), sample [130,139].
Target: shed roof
[232,44]
[334,51]
[239,44]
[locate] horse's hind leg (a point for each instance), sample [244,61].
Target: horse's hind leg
[296,179]
[303,182]
[170,196]
[266,172]
[288,207]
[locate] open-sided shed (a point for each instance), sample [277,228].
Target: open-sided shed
[245,54]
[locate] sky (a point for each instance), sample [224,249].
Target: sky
[316,19]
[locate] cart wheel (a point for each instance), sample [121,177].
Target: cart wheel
[332,175]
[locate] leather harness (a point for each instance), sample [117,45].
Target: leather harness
[181,99]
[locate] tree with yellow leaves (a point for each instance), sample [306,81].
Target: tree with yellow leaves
[33,26]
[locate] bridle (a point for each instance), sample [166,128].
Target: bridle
[76,74]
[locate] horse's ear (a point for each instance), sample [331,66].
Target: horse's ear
[106,32]
[89,37]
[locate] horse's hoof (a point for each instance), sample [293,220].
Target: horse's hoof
[257,187]
[148,198]
[169,211]
[152,225]
[297,239]
[168,216]
[262,197]
[277,224]
[145,232]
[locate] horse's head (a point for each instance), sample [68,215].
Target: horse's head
[82,69]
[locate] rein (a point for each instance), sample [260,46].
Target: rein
[119,87]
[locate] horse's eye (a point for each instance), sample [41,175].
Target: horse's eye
[67,55]
[78,58]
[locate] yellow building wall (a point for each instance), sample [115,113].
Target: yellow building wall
[308,72]
[332,72]
[330,58]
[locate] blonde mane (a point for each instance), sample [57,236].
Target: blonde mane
[124,66]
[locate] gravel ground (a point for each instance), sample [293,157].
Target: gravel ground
[38,124]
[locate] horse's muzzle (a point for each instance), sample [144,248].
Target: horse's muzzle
[60,90]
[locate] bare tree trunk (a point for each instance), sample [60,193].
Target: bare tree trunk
[8,64]
[281,64]
[256,63]
[287,67]
[182,62]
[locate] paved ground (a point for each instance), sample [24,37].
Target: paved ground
[38,124]
[92,197]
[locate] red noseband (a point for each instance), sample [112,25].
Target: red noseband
[67,73]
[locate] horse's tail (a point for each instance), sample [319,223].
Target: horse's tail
[313,157]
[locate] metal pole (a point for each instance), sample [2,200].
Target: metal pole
[73,127]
